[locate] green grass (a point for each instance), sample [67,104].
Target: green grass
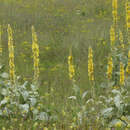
[60,24]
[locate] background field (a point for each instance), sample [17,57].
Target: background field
[60,25]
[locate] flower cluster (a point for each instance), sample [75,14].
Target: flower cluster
[90,65]
[11,55]
[71,67]
[109,68]
[35,50]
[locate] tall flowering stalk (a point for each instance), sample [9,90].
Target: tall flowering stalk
[127,6]
[128,64]
[90,65]
[114,12]
[112,35]
[11,55]
[109,68]
[35,50]
[0,40]
[91,71]
[122,77]
[71,66]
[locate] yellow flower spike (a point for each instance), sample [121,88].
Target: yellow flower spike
[109,68]
[35,50]
[90,65]
[127,7]
[71,66]
[0,40]
[112,36]
[128,64]
[122,78]
[11,55]
[114,12]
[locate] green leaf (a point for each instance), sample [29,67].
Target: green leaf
[117,101]
[5,75]
[84,94]
[43,116]
[107,112]
[24,107]
[33,101]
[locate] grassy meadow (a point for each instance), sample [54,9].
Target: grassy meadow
[64,65]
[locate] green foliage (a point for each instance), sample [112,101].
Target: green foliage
[57,103]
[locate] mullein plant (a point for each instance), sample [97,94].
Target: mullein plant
[113,27]
[128,64]
[109,68]
[127,7]
[112,36]
[91,70]
[90,65]
[11,55]
[71,67]
[114,12]
[0,40]
[122,74]
[35,50]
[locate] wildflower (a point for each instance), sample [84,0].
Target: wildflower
[71,67]
[38,107]
[45,128]
[121,73]
[35,50]
[11,55]
[118,124]
[128,64]
[112,35]
[114,12]
[127,7]
[90,64]
[115,87]
[20,125]
[125,118]
[109,68]
[4,111]
[128,126]
[71,127]
[35,125]
[3,128]
[0,40]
